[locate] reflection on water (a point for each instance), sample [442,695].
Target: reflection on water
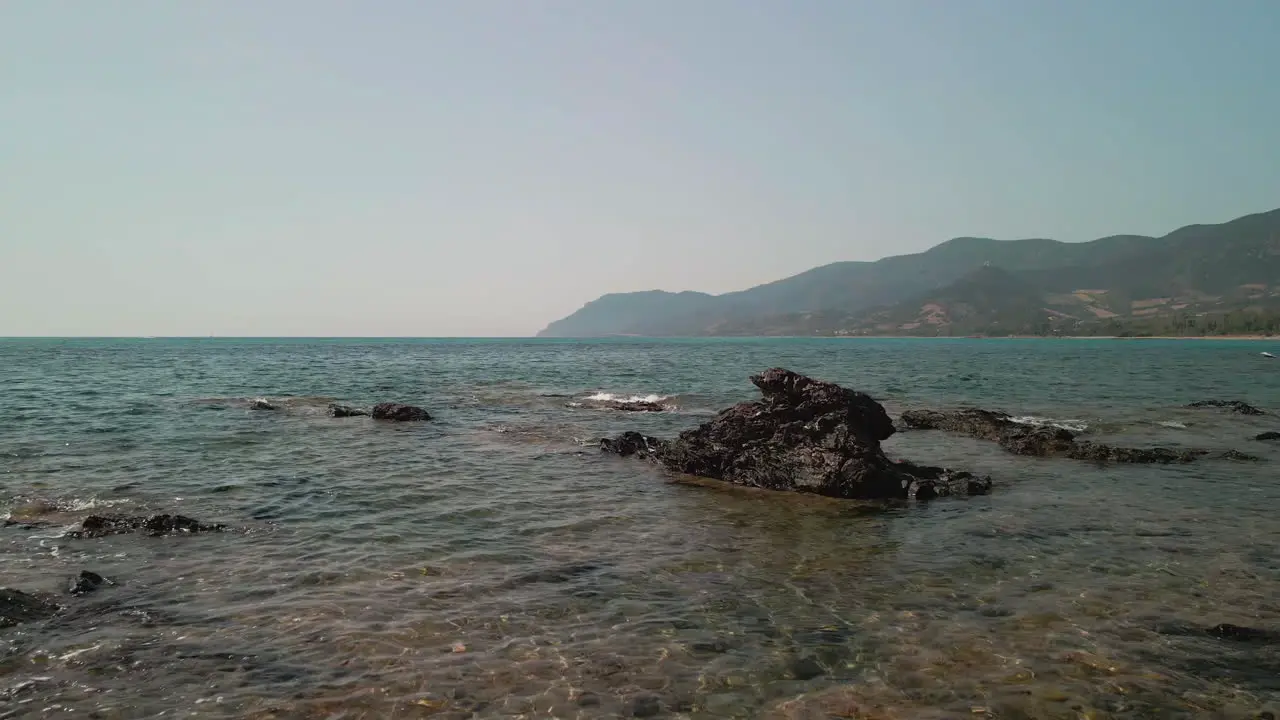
[460,570]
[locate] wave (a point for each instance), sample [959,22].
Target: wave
[1171,424]
[1072,425]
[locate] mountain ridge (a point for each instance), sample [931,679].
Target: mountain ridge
[1199,261]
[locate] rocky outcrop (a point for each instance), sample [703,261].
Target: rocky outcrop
[342,411]
[399,412]
[17,606]
[262,404]
[804,435]
[1037,440]
[1269,435]
[96,526]
[1235,406]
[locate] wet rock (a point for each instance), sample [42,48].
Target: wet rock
[806,668]
[399,412]
[87,582]
[1037,441]
[646,706]
[1235,406]
[1269,435]
[17,606]
[1240,456]
[804,435]
[342,411]
[27,524]
[631,443]
[621,405]
[1240,633]
[262,404]
[96,526]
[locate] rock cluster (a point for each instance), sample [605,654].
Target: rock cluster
[1037,440]
[803,435]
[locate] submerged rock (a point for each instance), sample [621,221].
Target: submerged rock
[804,435]
[399,412]
[1037,440]
[341,411]
[1235,406]
[620,405]
[96,526]
[1269,435]
[17,606]
[87,582]
[262,404]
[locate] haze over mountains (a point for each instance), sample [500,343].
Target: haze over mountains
[980,286]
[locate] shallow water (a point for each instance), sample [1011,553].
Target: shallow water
[491,563]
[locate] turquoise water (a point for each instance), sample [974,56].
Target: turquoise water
[491,563]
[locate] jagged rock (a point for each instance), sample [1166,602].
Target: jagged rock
[1235,406]
[87,582]
[96,526]
[1040,441]
[17,606]
[262,404]
[1237,455]
[631,443]
[804,435]
[341,411]
[1269,435]
[399,412]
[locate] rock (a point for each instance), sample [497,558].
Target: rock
[17,606]
[341,411]
[96,526]
[399,412]
[261,404]
[1239,633]
[1235,406]
[1037,440]
[804,435]
[807,668]
[631,443]
[620,405]
[646,706]
[1269,435]
[87,582]
[1237,455]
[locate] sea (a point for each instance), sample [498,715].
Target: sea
[493,563]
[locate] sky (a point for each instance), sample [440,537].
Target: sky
[480,168]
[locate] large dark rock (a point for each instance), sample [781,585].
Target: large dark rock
[1037,440]
[399,412]
[804,435]
[341,411]
[96,526]
[17,606]
[1235,406]
[1269,435]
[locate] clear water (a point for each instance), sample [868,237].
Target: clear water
[492,564]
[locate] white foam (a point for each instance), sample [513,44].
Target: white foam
[1072,425]
[1171,424]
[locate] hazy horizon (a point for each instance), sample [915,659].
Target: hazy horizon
[432,169]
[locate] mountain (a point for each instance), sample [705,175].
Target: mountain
[1200,268]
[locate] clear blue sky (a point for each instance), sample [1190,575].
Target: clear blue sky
[481,167]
